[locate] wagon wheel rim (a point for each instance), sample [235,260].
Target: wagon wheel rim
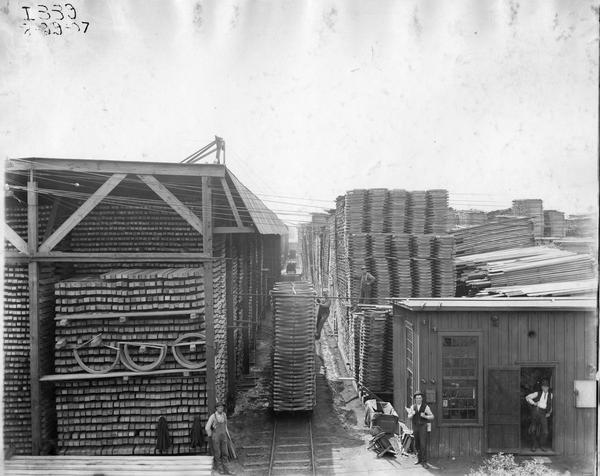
[181,360]
[102,370]
[135,367]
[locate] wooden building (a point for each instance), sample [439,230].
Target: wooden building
[477,359]
[68,219]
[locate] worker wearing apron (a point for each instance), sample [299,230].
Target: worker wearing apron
[216,429]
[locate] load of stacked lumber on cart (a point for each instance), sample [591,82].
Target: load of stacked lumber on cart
[294,327]
[521,266]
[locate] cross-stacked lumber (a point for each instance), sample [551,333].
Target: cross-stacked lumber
[554,224]
[499,234]
[112,415]
[437,213]
[294,326]
[532,208]
[375,350]
[135,229]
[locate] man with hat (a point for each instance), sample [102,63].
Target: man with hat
[421,416]
[216,429]
[541,409]
[323,312]
[366,281]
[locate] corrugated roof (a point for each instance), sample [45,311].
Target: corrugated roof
[498,304]
[265,220]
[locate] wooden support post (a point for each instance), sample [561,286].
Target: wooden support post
[34,319]
[229,309]
[207,244]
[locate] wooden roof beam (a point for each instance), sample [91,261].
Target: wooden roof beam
[81,212]
[164,193]
[234,210]
[114,166]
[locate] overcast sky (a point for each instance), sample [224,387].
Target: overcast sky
[493,100]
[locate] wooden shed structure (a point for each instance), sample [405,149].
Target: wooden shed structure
[477,359]
[68,219]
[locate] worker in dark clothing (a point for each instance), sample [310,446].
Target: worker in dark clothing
[421,416]
[541,409]
[216,429]
[366,281]
[323,313]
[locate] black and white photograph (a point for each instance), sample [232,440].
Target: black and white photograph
[299,237]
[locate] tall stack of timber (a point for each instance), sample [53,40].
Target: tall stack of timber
[398,209]
[422,269]
[444,269]
[400,250]
[417,207]
[294,326]
[532,208]
[501,233]
[124,321]
[554,224]
[436,212]
[16,337]
[375,349]
[582,225]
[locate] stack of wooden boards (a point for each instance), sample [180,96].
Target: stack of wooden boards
[135,229]
[499,234]
[520,267]
[374,347]
[532,208]
[16,337]
[294,326]
[132,290]
[116,416]
[555,224]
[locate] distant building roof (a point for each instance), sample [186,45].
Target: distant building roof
[498,304]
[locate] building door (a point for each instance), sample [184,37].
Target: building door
[503,409]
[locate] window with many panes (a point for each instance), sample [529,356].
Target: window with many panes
[460,378]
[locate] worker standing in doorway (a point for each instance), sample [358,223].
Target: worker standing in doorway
[323,313]
[541,409]
[366,281]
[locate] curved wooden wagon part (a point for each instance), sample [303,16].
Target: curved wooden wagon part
[183,341]
[96,342]
[135,367]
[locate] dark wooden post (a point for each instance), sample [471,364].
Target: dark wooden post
[34,321]
[246,290]
[207,245]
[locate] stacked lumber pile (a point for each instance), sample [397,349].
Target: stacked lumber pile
[444,270]
[16,337]
[577,245]
[294,326]
[437,212]
[584,226]
[521,266]
[109,415]
[377,199]
[116,417]
[132,229]
[397,209]
[400,250]
[355,210]
[416,217]
[381,264]
[498,234]
[588,287]
[554,224]
[132,290]
[376,350]
[533,209]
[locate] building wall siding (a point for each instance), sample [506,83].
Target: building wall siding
[565,340]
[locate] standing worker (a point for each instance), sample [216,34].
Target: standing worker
[541,409]
[216,429]
[421,415]
[366,281]
[323,312]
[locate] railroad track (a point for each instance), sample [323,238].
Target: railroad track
[289,451]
